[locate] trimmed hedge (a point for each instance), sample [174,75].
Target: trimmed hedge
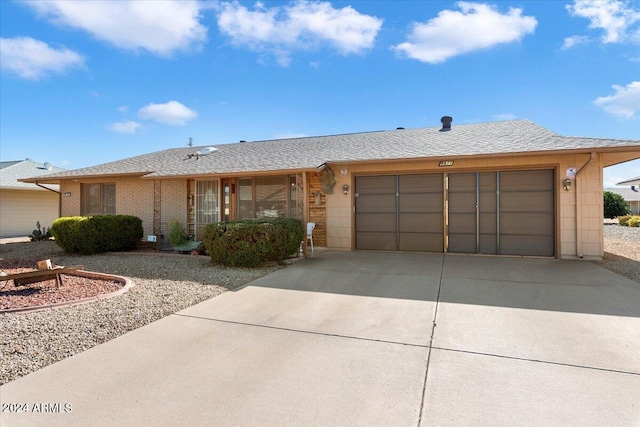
[89,235]
[249,243]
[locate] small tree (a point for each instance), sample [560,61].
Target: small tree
[614,205]
[177,233]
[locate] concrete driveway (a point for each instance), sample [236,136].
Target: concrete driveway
[366,338]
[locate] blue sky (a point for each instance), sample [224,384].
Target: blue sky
[84,83]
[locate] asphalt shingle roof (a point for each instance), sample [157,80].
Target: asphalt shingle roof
[632,181]
[494,138]
[11,172]
[628,194]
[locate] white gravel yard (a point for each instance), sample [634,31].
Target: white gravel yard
[164,284]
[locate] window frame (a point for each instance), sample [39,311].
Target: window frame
[104,207]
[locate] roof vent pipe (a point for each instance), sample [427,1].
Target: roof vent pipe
[446,123]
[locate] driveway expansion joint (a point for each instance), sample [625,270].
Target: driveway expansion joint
[300,331]
[433,331]
[547,362]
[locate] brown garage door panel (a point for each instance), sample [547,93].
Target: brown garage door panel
[420,203]
[462,243]
[527,223]
[376,241]
[378,203]
[376,184]
[525,181]
[462,224]
[532,201]
[384,222]
[425,223]
[488,244]
[527,245]
[421,183]
[424,242]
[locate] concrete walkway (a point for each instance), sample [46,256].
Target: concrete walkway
[370,339]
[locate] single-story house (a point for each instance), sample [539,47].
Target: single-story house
[630,195]
[633,181]
[22,204]
[499,188]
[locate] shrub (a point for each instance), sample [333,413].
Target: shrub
[614,205]
[177,234]
[634,221]
[94,234]
[624,220]
[249,243]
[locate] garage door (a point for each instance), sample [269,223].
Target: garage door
[506,213]
[400,212]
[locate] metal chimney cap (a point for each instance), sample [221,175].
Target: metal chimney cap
[446,123]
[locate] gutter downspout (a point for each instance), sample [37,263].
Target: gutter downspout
[59,197]
[579,253]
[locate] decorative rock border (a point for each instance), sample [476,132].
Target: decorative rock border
[127,284]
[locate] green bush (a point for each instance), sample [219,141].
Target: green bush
[95,234]
[249,243]
[614,205]
[634,221]
[624,220]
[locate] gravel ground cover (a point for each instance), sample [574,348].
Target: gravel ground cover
[164,284]
[622,251]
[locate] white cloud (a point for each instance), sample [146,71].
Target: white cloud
[171,113]
[303,25]
[624,103]
[476,26]
[32,59]
[160,27]
[572,41]
[616,17]
[126,127]
[123,108]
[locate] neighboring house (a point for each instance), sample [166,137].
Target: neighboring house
[505,188]
[630,195]
[632,182]
[23,204]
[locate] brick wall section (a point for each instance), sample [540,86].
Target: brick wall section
[134,196]
[317,212]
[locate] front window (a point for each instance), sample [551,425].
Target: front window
[268,197]
[98,199]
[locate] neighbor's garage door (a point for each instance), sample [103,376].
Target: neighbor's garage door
[507,213]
